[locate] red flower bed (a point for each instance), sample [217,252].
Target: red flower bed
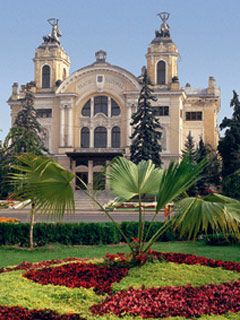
[163,302]
[75,275]
[19,313]
[185,301]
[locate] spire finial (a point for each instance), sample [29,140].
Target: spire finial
[54,36]
[164,31]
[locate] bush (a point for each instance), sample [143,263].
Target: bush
[219,239]
[74,233]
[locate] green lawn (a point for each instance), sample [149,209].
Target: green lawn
[13,255]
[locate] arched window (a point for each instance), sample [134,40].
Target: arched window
[100,137]
[46,77]
[115,110]
[101,105]
[64,73]
[115,137]
[161,72]
[85,137]
[86,109]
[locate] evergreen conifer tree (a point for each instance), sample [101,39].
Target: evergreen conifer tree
[26,135]
[189,148]
[146,127]
[229,148]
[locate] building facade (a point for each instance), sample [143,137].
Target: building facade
[87,114]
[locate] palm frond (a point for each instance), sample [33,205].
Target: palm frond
[215,213]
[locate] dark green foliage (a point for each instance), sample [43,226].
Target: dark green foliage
[231,185]
[212,172]
[26,135]
[229,145]
[219,239]
[189,150]
[146,127]
[74,233]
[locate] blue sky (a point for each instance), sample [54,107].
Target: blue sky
[206,33]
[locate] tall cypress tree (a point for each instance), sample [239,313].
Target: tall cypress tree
[146,127]
[229,148]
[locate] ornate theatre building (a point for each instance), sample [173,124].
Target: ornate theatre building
[87,113]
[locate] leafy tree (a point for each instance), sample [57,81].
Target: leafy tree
[146,135]
[229,148]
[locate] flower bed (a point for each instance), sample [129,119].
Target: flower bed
[75,275]
[188,301]
[18,313]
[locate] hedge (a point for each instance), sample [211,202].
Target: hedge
[74,233]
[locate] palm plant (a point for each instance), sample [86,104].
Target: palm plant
[45,184]
[194,215]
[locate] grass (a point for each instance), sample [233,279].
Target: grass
[160,274]
[14,255]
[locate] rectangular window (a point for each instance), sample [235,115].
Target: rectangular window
[44,113]
[162,111]
[194,116]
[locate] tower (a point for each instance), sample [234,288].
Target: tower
[51,62]
[162,57]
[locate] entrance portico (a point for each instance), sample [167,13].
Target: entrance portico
[89,165]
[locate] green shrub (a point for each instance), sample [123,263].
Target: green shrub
[74,233]
[219,239]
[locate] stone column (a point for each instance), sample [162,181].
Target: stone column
[92,107]
[128,120]
[91,132]
[109,137]
[62,126]
[70,126]
[107,186]
[109,107]
[90,174]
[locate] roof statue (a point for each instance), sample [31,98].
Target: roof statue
[164,31]
[54,36]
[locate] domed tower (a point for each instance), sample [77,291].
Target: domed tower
[162,57]
[51,62]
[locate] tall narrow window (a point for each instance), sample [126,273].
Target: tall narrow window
[115,110]
[100,137]
[115,137]
[161,72]
[64,74]
[101,105]
[85,137]
[46,77]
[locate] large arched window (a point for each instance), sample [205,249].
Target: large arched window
[86,109]
[46,77]
[115,110]
[100,137]
[85,137]
[101,105]
[161,72]
[116,137]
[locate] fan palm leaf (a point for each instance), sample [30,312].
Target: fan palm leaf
[45,182]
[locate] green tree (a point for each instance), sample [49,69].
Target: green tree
[229,148]
[26,135]
[211,175]
[146,127]
[189,150]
